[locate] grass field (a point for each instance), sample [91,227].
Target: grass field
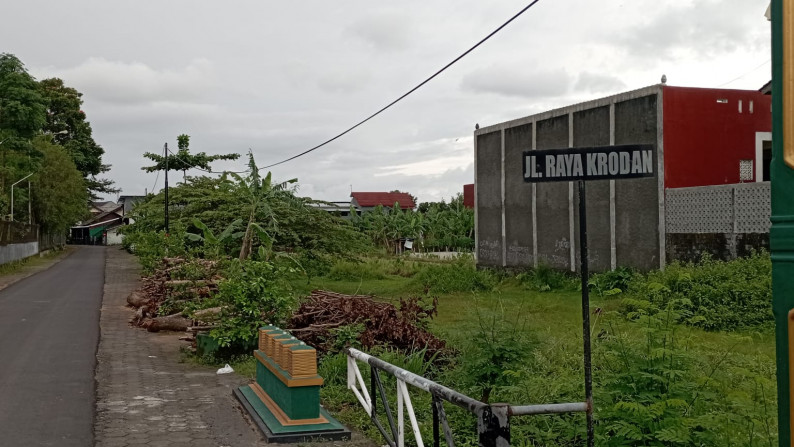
[656,382]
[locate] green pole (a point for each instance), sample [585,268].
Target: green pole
[781,236]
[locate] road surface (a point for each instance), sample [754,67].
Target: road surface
[49,329]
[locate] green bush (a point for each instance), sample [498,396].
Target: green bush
[656,392]
[613,282]
[152,247]
[721,295]
[357,271]
[253,294]
[458,276]
[544,278]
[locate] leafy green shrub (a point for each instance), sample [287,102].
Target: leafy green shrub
[613,282]
[657,392]
[357,271]
[253,294]
[458,276]
[544,278]
[346,336]
[152,247]
[724,295]
[315,264]
[495,351]
[401,267]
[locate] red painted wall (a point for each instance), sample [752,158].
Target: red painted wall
[704,139]
[468,195]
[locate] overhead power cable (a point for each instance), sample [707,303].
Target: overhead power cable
[745,74]
[409,91]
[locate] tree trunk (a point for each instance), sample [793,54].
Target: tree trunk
[245,250]
[137,299]
[174,322]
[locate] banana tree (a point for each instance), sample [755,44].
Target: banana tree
[214,244]
[259,193]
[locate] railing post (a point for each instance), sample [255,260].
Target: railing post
[493,426]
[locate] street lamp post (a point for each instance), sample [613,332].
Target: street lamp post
[12,194]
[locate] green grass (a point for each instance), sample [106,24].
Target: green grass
[727,379]
[32,262]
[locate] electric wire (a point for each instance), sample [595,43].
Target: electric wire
[522,11]
[747,73]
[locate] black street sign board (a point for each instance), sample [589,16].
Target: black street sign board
[581,164]
[589,163]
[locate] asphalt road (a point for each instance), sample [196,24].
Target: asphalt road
[49,329]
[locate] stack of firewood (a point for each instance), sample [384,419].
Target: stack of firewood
[166,285]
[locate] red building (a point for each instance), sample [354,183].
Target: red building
[468,195]
[715,136]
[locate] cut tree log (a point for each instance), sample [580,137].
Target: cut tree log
[183,282]
[207,314]
[175,322]
[137,299]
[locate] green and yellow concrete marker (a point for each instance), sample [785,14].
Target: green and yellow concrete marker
[284,400]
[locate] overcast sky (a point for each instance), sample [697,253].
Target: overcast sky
[280,77]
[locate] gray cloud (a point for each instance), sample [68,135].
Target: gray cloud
[388,31]
[704,28]
[530,82]
[598,83]
[134,82]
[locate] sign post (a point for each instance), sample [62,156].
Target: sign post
[781,235]
[581,164]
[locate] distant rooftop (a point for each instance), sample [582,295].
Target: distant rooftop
[385,199]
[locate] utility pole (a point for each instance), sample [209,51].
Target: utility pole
[165,149]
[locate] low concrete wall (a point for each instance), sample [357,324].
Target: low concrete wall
[725,221]
[15,252]
[724,246]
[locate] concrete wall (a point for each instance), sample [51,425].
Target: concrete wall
[521,224]
[725,221]
[114,238]
[15,252]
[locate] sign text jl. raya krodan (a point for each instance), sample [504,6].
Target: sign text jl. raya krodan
[597,163]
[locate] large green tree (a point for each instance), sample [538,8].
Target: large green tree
[67,124]
[183,160]
[59,192]
[22,115]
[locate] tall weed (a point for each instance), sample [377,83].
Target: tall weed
[722,295]
[458,276]
[357,271]
[544,278]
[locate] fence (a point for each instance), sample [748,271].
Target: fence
[726,221]
[48,241]
[18,233]
[493,421]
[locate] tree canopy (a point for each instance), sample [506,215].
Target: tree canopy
[183,160]
[59,193]
[67,124]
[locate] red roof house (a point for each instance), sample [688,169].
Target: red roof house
[366,201]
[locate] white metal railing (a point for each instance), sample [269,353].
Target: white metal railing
[492,420]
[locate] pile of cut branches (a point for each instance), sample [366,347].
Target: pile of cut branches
[166,293]
[384,324]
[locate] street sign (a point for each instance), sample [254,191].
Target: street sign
[582,164]
[590,163]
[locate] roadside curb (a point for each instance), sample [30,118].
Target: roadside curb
[13,278]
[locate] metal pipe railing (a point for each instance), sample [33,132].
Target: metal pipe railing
[493,421]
